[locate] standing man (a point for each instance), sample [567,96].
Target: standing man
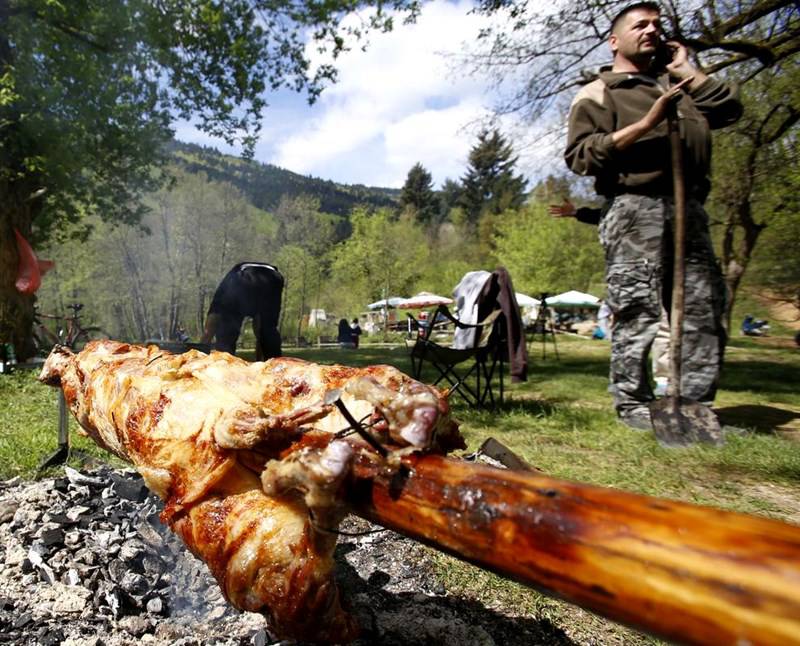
[618,134]
[356,331]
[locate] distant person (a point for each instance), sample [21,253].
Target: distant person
[249,289]
[754,327]
[345,337]
[181,335]
[356,331]
[604,320]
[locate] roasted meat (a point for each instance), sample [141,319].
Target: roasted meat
[252,459]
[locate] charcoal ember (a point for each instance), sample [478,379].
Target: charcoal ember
[149,535]
[61,484]
[7,510]
[58,518]
[69,599]
[47,636]
[74,513]
[60,561]
[11,482]
[113,601]
[75,477]
[132,552]
[71,577]
[117,570]
[23,620]
[82,641]
[36,560]
[92,579]
[51,535]
[81,492]
[134,584]
[129,487]
[72,538]
[135,625]
[105,540]
[26,519]
[15,554]
[153,566]
[86,556]
[156,606]
[170,632]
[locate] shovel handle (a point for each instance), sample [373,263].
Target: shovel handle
[679,260]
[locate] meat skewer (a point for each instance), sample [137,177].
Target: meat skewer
[251,459]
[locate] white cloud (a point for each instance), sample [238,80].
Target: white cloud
[397,98]
[395,104]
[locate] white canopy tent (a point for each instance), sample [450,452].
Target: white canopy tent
[523,300]
[573,298]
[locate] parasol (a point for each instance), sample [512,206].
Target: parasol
[424,299]
[523,300]
[392,301]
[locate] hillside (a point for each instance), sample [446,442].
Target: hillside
[265,184]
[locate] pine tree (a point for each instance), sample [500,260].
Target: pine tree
[490,185]
[418,194]
[449,197]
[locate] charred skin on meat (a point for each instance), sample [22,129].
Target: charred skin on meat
[245,455]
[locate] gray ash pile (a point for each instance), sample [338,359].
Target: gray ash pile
[84,560]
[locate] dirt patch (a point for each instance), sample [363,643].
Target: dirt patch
[785,500]
[787,313]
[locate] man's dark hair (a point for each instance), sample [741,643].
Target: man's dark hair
[652,6]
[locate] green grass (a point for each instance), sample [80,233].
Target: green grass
[562,421]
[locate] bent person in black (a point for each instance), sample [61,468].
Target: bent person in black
[249,289]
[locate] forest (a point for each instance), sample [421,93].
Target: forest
[142,281]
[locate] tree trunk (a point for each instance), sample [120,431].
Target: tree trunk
[737,250]
[139,299]
[16,309]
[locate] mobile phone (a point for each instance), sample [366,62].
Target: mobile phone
[663,56]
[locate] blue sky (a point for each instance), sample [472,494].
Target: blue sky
[394,105]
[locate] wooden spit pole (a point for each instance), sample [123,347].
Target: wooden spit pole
[684,572]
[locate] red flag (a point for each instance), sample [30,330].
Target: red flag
[31,269]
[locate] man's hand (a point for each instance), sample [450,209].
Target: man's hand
[658,111]
[680,67]
[564,210]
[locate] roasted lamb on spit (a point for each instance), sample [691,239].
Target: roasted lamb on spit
[250,459]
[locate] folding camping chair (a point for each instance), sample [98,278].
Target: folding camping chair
[471,372]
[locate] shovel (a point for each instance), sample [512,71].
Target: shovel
[678,421]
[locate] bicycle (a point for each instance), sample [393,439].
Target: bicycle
[70,334]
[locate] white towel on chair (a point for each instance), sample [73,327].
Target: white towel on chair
[466,296]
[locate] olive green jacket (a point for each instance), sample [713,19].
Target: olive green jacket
[615,100]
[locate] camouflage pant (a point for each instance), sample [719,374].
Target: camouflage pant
[636,234]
